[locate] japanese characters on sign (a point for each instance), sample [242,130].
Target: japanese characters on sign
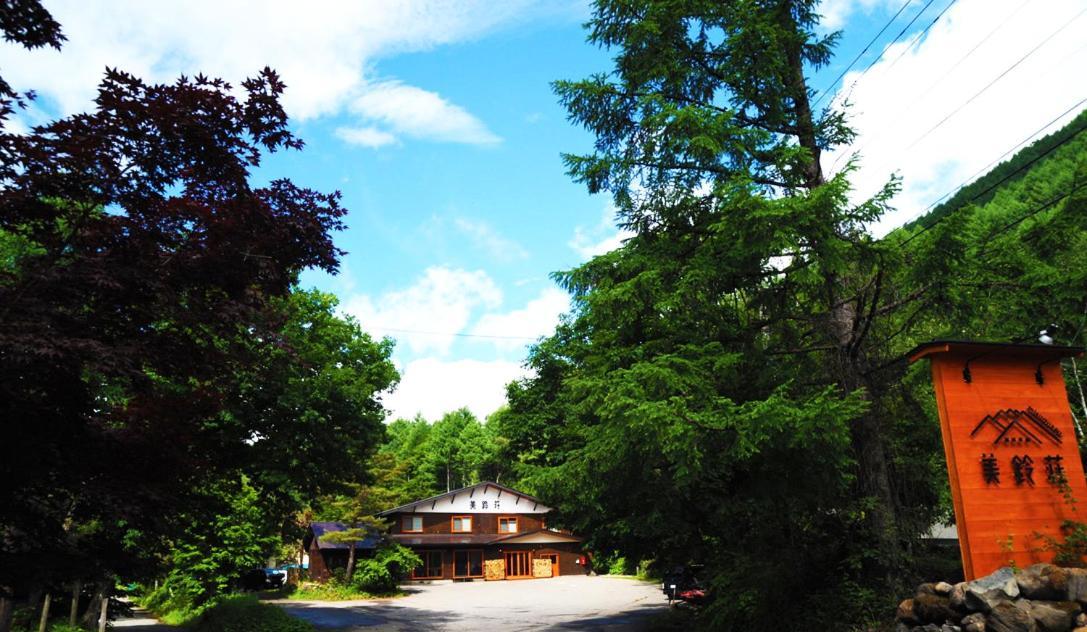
[493,504]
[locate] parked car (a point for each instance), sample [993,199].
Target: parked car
[682,584]
[262,579]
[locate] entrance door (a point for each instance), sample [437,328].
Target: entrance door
[518,564]
[554,557]
[467,564]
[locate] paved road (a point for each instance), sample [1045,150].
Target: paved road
[141,621]
[563,603]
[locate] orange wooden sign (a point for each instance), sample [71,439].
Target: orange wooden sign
[1012,454]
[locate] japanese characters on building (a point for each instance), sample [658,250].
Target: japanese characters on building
[1012,455]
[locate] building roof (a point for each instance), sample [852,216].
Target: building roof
[485,488]
[981,347]
[539,536]
[319,529]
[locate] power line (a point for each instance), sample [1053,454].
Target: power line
[861,54]
[888,47]
[946,73]
[1032,213]
[925,30]
[996,79]
[1002,180]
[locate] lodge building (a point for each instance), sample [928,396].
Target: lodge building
[460,533]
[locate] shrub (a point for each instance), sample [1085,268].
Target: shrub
[381,573]
[243,613]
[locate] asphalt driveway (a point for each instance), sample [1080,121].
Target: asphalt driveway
[562,603]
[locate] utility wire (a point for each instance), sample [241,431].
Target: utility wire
[994,80]
[875,61]
[917,38]
[943,76]
[861,54]
[988,166]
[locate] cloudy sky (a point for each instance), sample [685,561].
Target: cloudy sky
[436,121]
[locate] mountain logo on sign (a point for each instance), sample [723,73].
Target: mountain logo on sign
[1019,428]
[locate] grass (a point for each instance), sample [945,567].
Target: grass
[330,592]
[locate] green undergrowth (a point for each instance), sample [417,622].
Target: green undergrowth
[244,613]
[333,591]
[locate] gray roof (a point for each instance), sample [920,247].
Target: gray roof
[321,528]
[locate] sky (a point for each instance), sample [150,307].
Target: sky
[437,122]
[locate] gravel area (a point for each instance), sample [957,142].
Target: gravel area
[562,603]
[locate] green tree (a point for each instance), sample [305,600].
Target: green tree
[720,392]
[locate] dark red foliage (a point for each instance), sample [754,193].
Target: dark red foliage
[144,263]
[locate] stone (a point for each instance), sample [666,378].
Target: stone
[927,588]
[902,627]
[1077,584]
[906,613]
[984,593]
[947,627]
[942,588]
[958,596]
[932,608]
[973,622]
[1081,620]
[1043,581]
[1054,616]
[1007,617]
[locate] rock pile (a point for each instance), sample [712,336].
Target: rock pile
[1039,598]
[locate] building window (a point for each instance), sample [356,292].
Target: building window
[462,524]
[412,524]
[507,525]
[467,564]
[431,568]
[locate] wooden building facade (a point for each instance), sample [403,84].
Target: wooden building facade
[462,533]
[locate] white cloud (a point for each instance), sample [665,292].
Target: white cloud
[836,12]
[365,136]
[434,387]
[896,103]
[538,318]
[485,237]
[418,113]
[323,49]
[605,236]
[439,303]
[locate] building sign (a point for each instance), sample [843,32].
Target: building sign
[1012,455]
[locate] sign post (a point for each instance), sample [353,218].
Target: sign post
[1012,455]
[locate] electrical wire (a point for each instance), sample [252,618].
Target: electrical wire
[946,74]
[986,168]
[995,80]
[861,54]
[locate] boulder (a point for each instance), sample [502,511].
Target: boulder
[942,588]
[1043,581]
[1081,620]
[1077,584]
[932,608]
[1054,616]
[973,622]
[958,596]
[906,613]
[982,594]
[1005,616]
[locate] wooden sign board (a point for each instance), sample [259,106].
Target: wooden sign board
[1012,455]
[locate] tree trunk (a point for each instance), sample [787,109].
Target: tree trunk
[45,612]
[73,612]
[448,478]
[7,609]
[103,614]
[350,563]
[101,593]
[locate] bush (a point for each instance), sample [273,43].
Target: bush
[243,613]
[383,572]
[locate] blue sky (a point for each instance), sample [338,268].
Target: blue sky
[437,122]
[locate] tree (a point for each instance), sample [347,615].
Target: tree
[143,276]
[720,391]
